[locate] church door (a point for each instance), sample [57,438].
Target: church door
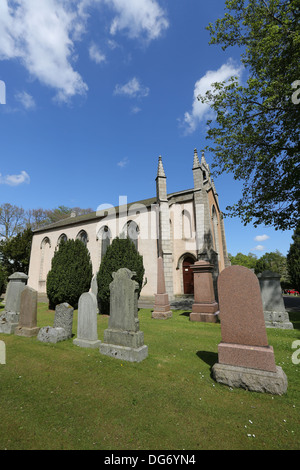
[188,279]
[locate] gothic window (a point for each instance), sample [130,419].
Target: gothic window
[62,237]
[131,230]
[104,235]
[186,225]
[45,259]
[83,236]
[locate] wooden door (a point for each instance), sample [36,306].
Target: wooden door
[188,278]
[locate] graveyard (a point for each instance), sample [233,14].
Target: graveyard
[62,396]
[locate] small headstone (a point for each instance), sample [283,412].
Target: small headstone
[2,353]
[122,338]
[28,313]
[274,310]
[10,318]
[205,308]
[162,309]
[244,348]
[62,327]
[87,335]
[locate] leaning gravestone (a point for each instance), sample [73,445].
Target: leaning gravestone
[122,338]
[28,313]
[244,357]
[62,327]
[273,305]
[87,336]
[10,318]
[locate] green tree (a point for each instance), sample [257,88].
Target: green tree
[249,261]
[293,259]
[273,261]
[70,274]
[254,134]
[15,252]
[120,254]
[3,279]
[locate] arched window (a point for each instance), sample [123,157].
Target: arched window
[104,235]
[186,225]
[45,259]
[215,229]
[62,237]
[83,236]
[131,230]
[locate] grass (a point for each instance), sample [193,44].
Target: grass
[61,396]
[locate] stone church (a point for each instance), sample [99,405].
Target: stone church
[182,227]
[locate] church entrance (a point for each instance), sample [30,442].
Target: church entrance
[188,278]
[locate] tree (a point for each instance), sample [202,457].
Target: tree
[273,261]
[70,274]
[293,259]
[11,220]
[254,134]
[249,261]
[120,254]
[15,252]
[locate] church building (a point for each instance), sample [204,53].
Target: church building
[181,227]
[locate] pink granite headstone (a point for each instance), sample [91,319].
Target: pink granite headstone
[28,313]
[205,308]
[162,308]
[244,338]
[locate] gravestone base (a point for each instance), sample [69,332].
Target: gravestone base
[48,334]
[124,353]
[86,343]
[9,322]
[204,317]
[205,312]
[251,379]
[27,332]
[254,357]
[278,320]
[161,309]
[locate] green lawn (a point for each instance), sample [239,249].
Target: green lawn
[61,396]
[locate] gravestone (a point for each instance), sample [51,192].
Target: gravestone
[2,353]
[28,313]
[244,357]
[94,289]
[162,309]
[62,326]
[123,339]
[274,310]
[87,335]
[205,308]
[10,318]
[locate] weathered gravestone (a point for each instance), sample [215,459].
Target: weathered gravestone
[122,338]
[205,308]
[162,309]
[274,310]
[87,335]
[10,318]
[62,326]
[94,289]
[244,357]
[28,313]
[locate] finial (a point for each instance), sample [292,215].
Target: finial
[196,159]
[160,170]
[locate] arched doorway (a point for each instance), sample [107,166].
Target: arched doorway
[188,278]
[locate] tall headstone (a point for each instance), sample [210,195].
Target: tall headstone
[123,338]
[162,309]
[274,310]
[205,308]
[244,357]
[28,313]
[10,318]
[87,335]
[62,326]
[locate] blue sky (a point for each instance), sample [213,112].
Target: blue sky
[96,90]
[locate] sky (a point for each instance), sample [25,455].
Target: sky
[92,92]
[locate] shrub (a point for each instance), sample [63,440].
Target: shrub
[70,274]
[120,254]
[3,279]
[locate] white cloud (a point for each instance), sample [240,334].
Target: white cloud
[25,99]
[259,248]
[261,238]
[132,88]
[95,54]
[15,180]
[123,162]
[42,35]
[201,111]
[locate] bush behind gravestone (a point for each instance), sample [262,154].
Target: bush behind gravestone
[120,254]
[70,274]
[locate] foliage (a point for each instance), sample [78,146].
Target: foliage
[120,254]
[249,261]
[273,261]
[11,220]
[255,134]
[70,274]
[3,279]
[293,260]
[15,252]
